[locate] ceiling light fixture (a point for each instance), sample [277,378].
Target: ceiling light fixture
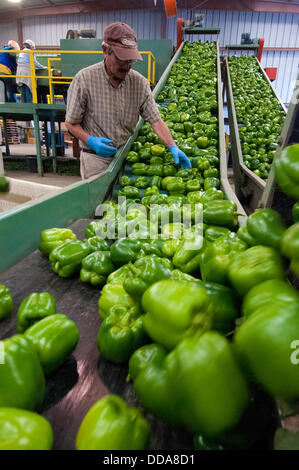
[14,1]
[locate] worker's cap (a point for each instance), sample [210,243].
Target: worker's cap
[123,41]
[14,44]
[30,43]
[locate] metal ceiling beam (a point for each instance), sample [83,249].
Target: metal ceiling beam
[80,8]
[115,5]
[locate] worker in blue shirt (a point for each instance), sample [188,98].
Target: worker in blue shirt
[24,83]
[8,66]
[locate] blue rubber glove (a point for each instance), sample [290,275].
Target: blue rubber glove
[98,145]
[179,157]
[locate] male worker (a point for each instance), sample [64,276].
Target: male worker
[8,66]
[105,101]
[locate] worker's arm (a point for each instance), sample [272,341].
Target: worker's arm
[98,144]
[77,131]
[162,131]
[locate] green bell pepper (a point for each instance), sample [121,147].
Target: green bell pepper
[54,338]
[265,227]
[147,201]
[185,174]
[169,170]
[244,235]
[213,232]
[145,154]
[220,213]
[211,183]
[188,253]
[217,256]
[169,247]
[253,266]
[150,247]
[271,292]
[267,337]
[203,164]
[120,334]
[155,181]
[24,430]
[290,246]
[171,307]
[33,308]
[129,191]
[6,303]
[153,190]
[22,381]
[202,142]
[53,237]
[194,197]
[286,169]
[141,182]
[96,244]
[132,157]
[211,194]
[223,307]
[176,200]
[139,169]
[125,181]
[290,242]
[96,267]
[166,180]
[92,228]
[295,212]
[111,295]
[4,184]
[155,170]
[175,186]
[157,161]
[147,271]
[136,146]
[118,276]
[193,185]
[148,372]
[66,259]
[111,425]
[207,383]
[124,250]
[157,150]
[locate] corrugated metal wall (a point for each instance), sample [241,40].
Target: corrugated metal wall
[278,29]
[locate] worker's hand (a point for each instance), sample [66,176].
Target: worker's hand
[179,157]
[98,145]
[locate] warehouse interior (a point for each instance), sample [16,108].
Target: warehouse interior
[149,226]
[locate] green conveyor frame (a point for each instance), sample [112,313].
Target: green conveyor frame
[20,228]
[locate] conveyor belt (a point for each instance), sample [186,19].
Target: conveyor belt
[85,377]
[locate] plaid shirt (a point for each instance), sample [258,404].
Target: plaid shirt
[106,111]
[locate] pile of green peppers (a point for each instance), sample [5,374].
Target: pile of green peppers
[197,315]
[259,112]
[45,341]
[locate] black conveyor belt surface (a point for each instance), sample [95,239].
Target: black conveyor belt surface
[85,377]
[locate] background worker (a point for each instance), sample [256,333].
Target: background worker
[8,66]
[105,101]
[25,85]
